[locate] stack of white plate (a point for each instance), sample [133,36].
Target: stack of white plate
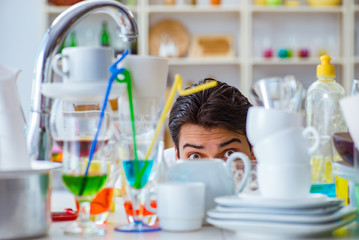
[255,215]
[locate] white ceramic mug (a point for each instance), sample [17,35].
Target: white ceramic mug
[289,146]
[284,181]
[262,122]
[216,174]
[84,64]
[180,205]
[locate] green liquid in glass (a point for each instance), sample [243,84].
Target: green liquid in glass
[93,183]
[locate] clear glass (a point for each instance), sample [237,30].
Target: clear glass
[323,112]
[73,127]
[137,159]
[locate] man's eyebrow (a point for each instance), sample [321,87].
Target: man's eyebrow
[229,142]
[192,146]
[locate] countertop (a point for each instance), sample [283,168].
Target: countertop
[64,199]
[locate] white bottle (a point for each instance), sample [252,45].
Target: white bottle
[323,112]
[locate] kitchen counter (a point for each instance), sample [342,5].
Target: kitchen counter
[206,233]
[60,200]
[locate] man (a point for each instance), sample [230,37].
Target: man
[209,124]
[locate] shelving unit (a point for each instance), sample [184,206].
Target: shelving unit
[336,28]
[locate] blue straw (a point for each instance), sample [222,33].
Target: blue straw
[114,72]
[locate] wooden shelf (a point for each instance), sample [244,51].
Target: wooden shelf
[292,61]
[193,9]
[204,61]
[297,9]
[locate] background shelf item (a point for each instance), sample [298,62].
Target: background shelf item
[335,28]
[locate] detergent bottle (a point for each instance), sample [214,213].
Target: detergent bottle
[323,112]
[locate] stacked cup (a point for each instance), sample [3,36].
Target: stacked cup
[281,147]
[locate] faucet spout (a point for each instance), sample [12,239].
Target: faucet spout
[39,141]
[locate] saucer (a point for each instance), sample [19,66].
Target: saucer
[280,229]
[257,201]
[280,218]
[82,91]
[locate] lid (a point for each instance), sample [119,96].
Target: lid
[325,68]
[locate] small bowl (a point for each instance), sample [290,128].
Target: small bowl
[344,144]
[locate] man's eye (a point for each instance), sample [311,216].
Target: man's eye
[228,153]
[194,156]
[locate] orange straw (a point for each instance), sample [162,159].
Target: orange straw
[177,86]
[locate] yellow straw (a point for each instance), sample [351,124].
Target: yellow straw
[177,85]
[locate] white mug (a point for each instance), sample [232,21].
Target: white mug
[216,174]
[180,205]
[289,146]
[84,64]
[262,122]
[284,181]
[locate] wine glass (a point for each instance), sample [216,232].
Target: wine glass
[135,139]
[73,127]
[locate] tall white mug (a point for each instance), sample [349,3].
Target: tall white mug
[263,122]
[84,64]
[180,205]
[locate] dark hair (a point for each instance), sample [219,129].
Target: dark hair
[223,106]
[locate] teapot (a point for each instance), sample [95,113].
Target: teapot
[216,174]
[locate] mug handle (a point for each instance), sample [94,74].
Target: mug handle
[147,202]
[314,132]
[247,167]
[55,65]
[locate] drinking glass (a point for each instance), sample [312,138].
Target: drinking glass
[73,128]
[135,138]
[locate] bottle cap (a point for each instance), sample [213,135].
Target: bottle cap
[325,68]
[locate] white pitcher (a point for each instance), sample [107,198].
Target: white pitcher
[13,151]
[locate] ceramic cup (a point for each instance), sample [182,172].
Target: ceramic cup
[262,122]
[148,79]
[284,181]
[84,64]
[289,146]
[180,205]
[216,174]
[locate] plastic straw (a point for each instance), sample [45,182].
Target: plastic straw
[177,86]
[113,76]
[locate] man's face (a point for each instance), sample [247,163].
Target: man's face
[197,142]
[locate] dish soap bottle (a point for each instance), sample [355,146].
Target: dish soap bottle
[323,112]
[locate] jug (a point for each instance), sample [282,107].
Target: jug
[217,175]
[13,149]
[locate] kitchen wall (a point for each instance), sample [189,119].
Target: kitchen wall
[21,31]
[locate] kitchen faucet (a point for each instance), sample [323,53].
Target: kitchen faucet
[39,140]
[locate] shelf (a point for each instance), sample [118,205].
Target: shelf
[297,9]
[53,9]
[292,61]
[192,9]
[204,61]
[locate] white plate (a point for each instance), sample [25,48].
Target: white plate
[36,167]
[248,200]
[279,230]
[82,91]
[305,211]
[279,218]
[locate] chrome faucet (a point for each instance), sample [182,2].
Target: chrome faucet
[39,140]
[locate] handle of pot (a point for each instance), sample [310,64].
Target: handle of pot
[306,133]
[247,168]
[55,65]
[148,201]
